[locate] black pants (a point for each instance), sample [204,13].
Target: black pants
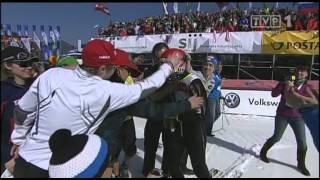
[192,138]
[152,133]
[298,127]
[127,139]
[23,169]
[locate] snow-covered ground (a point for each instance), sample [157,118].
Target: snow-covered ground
[235,148]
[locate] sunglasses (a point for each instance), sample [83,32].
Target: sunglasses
[24,63]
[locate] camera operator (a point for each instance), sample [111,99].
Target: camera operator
[287,113]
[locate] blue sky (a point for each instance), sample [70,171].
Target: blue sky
[77,20]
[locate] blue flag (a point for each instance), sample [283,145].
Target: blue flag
[57,33]
[9,30]
[19,29]
[26,30]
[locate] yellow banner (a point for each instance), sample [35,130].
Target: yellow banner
[291,42]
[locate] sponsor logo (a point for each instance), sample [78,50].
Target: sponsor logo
[265,21]
[295,45]
[104,57]
[277,45]
[262,102]
[232,100]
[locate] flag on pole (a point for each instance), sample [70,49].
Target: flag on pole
[57,32]
[19,29]
[265,7]
[25,41]
[250,5]
[58,39]
[26,31]
[223,5]
[51,34]
[175,8]
[238,5]
[44,35]
[45,44]
[9,30]
[3,29]
[100,7]
[52,41]
[277,5]
[198,8]
[189,9]
[165,8]
[35,38]
[305,8]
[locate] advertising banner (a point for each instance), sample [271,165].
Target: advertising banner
[250,102]
[226,42]
[291,42]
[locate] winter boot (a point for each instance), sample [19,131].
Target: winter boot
[301,162]
[264,150]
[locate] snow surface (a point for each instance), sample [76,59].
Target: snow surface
[236,146]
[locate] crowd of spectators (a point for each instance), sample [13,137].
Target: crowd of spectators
[229,20]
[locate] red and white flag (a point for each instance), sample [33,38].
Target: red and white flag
[102,8]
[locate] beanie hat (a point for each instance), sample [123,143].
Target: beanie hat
[67,60]
[212,60]
[77,156]
[97,53]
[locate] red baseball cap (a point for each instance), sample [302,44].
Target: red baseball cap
[97,53]
[122,59]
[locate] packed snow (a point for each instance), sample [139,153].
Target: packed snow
[235,148]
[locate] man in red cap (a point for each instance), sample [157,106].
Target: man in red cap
[77,99]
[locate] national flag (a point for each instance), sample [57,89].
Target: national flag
[52,40]
[9,30]
[44,36]
[58,39]
[35,38]
[26,43]
[165,8]
[265,7]
[19,29]
[238,5]
[51,34]
[3,29]
[223,5]
[175,8]
[305,8]
[189,8]
[198,8]
[100,7]
[26,31]
[57,32]
[44,44]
